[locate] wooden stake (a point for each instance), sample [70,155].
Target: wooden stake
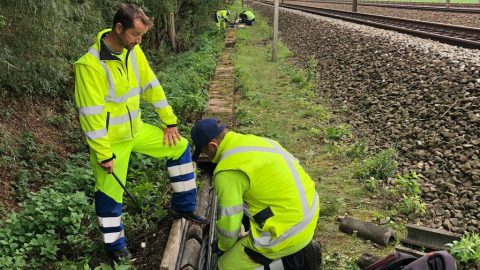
[275,33]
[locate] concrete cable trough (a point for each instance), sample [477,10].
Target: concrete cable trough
[188,245]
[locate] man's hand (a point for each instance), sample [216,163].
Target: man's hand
[108,166]
[171,135]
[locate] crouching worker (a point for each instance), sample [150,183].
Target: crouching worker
[247,17]
[110,80]
[258,178]
[222,18]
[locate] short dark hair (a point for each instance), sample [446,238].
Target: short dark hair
[129,12]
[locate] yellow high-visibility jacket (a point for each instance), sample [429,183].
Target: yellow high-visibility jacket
[279,199]
[250,16]
[108,89]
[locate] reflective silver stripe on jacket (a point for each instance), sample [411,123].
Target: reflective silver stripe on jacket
[133,59]
[92,135]
[265,239]
[228,234]
[275,265]
[160,104]
[246,211]
[91,110]
[230,211]
[111,82]
[308,213]
[150,85]
[124,118]
[123,98]
[112,95]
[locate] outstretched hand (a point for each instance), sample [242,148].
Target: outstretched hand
[171,136]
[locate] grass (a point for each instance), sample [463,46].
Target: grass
[279,101]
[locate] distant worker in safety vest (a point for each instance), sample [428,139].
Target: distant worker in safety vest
[222,18]
[256,177]
[110,81]
[247,17]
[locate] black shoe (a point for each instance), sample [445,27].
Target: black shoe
[188,215]
[119,256]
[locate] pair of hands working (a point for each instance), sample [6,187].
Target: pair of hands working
[170,135]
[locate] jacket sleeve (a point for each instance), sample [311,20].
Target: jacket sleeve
[229,187]
[152,91]
[89,100]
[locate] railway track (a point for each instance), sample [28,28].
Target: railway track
[475,9]
[462,36]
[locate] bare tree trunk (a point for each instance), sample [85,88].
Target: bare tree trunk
[172,34]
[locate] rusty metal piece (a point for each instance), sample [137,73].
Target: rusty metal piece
[409,251]
[427,238]
[366,230]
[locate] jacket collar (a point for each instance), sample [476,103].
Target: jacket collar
[221,147]
[104,52]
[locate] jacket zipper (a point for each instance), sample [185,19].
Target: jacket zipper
[108,120]
[130,117]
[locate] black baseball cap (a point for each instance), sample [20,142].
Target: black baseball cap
[203,132]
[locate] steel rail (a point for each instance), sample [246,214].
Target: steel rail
[475,9]
[462,36]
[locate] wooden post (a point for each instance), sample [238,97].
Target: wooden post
[355,4]
[172,35]
[447,3]
[275,33]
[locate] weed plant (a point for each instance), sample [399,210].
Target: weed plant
[467,250]
[379,166]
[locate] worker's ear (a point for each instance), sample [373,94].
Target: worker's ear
[213,145]
[118,28]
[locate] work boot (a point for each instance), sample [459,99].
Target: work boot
[120,256]
[188,215]
[313,256]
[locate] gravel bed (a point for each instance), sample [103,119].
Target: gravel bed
[415,95]
[465,19]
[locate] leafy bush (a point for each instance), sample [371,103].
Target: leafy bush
[35,58]
[467,250]
[408,188]
[370,184]
[51,224]
[337,133]
[379,166]
[412,205]
[407,184]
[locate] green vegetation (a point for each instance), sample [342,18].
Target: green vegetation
[409,189]
[467,250]
[379,166]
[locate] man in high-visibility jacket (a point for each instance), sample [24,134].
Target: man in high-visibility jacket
[110,80]
[258,178]
[221,18]
[247,17]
